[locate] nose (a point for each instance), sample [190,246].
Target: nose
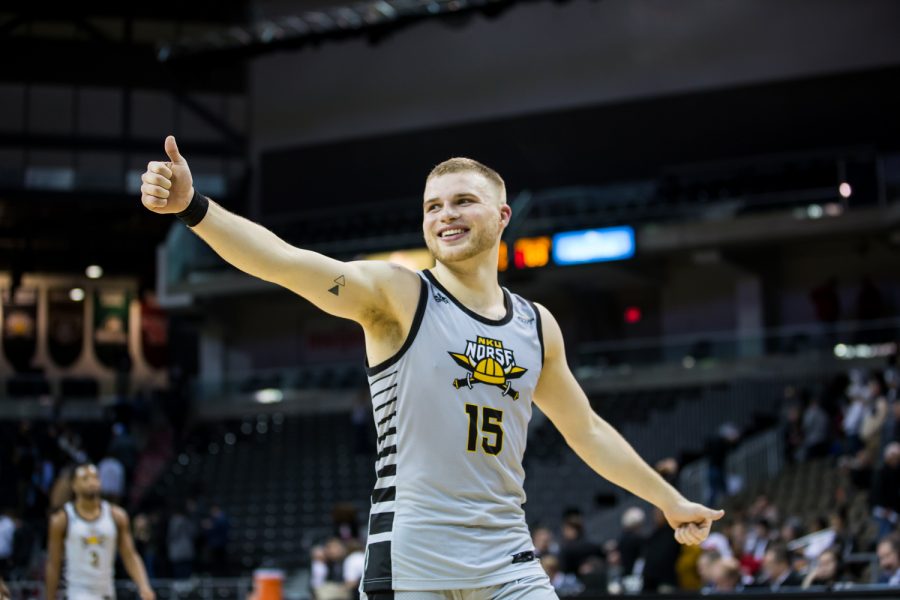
[448,213]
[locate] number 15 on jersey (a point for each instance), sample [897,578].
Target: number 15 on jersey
[491,420]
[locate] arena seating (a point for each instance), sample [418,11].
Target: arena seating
[280,477]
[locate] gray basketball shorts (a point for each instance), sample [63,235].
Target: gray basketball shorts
[531,587]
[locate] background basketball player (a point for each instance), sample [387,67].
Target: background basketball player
[87,532]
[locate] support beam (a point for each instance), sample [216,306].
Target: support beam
[45,141]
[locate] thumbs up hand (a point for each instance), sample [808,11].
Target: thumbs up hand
[167,187]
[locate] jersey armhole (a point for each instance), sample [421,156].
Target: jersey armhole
[540,327]
[410,337]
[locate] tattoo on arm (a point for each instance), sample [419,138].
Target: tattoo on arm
[339,282]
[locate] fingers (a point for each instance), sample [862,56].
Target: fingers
[157,180]
[692,534]
[148,189]
[152,202]
[159,168]
[715,515]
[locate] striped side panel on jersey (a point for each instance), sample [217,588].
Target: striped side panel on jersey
[378,574]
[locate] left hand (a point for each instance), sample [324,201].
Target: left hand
[692,522]
[147,594]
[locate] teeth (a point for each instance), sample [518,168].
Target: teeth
[451,232]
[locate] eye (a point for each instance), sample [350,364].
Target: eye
[431,207]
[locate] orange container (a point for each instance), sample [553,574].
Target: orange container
[267,584]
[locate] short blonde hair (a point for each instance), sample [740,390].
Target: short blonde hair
[461,164]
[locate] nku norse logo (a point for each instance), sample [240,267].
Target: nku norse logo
[488,362]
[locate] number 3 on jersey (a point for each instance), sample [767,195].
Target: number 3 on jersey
[491,427]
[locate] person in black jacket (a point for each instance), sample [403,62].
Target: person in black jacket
[660,555]
[777,569]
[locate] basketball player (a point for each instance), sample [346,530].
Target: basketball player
[454,362]
[88,531]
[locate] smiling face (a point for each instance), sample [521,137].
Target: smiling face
[464,216]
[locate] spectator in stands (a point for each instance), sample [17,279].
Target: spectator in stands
[727,575]
[180,541]
[565,584]
[792,427]
[874,416]
[828,570]
[328,571]
[777,571]
[892,381]
[4,591]
[660,554]
[144,542]
[354,566]
[215,529]
[7,532]
[24,542]
[592,576]
[815,425]
[543,541]
[631,540]
[892,422]
[614,570]
[706,569]
[844,540]
[854,412]
[574,549]
[889,560]
[716,453]
[124,448]
[112,479]
[791,529]
[885,498]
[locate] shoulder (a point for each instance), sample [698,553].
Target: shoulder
[118,514]
[59,520]
[399,286]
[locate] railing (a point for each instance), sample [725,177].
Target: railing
[843,339]
[757,458]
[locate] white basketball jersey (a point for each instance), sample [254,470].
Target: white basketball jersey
[451,411]
[90,553]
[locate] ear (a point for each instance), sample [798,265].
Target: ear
[505,215]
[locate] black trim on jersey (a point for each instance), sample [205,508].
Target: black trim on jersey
[390,431]
[382,377]
[387,494]
[379,392]
[413,330]
[540,327]
[79,517]
[388,418]
[387,451]
[385,595]
[383,404]
[381,522]
[378,576]
[507,302]
[386,471]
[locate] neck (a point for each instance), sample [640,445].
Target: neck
[87,505]
[473,282]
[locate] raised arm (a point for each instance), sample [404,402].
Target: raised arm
[55,535]
[599,445]
[363,291]
[130,558]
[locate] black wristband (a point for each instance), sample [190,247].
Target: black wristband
[195,210]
